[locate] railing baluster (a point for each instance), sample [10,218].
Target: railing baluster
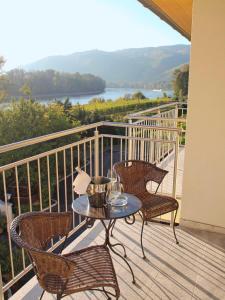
[78,155]
[78,164]
[121,149]
[65,179]
[72,175]
[85,158]
[49,185]
[39,184]
[17,191]
[102,156]
[90,155]
[1,285]
[19,208]
[96,159]
[111,156]
[176,152]
[29,188]
[130,142]
[125,154]
[57,180]
[137,142]
[8,224]
[72,179]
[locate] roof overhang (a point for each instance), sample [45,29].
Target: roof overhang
[177,13]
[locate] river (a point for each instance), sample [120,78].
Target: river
[109,93]
[112,93]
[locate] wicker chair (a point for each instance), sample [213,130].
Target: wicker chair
[134,176]
[63,274]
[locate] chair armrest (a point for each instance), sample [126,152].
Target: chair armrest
[50,263]
[154,173]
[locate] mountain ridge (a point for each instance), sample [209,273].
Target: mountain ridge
[143,66]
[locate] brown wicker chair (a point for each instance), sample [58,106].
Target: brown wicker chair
[134,176]
[63,274]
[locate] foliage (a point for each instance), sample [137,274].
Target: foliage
[50,83]
[5,260]
[3,93]
[27,119]
[107,110]
[26,90]
[3,223]
[96,100]
[180,82]
[138,95]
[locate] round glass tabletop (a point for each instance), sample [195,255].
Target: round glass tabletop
[82,207]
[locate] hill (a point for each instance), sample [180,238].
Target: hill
[129,67]
[50,83]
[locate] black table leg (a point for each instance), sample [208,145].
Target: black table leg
[107,243]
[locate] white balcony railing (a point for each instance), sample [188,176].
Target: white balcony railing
[43,181]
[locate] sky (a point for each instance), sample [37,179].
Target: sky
[33,29]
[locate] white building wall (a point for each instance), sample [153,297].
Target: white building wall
[204,173]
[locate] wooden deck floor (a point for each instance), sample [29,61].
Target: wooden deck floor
[193,270]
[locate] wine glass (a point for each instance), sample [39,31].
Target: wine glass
[111,174]
[115,190]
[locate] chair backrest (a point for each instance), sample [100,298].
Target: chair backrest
[38,228]
[33,232]
[135,174]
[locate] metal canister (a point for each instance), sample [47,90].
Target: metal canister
[98,191]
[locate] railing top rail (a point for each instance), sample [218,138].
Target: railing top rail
[47,137]
[127,125]
[171,104]
[143,118]
[123,137]
[151,109]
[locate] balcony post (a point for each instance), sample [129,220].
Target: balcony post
[130,141]
[96,154]
[176,111]
[175,166]
[1,286]
[142,150]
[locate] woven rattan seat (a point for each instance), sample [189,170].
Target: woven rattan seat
[63,274]
[154,205]
[134,176]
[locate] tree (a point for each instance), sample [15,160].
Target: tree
[26,90]
[138,95]
[51,83]
[3,93]
[180,82]
[96,100]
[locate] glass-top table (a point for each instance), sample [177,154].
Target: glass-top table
[108,216]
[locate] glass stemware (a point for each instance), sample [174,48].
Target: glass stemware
[112,175]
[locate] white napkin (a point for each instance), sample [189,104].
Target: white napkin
[81,182]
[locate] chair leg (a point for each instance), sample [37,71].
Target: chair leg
[42,294]
[174,233]
[113,228]
[142,248]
